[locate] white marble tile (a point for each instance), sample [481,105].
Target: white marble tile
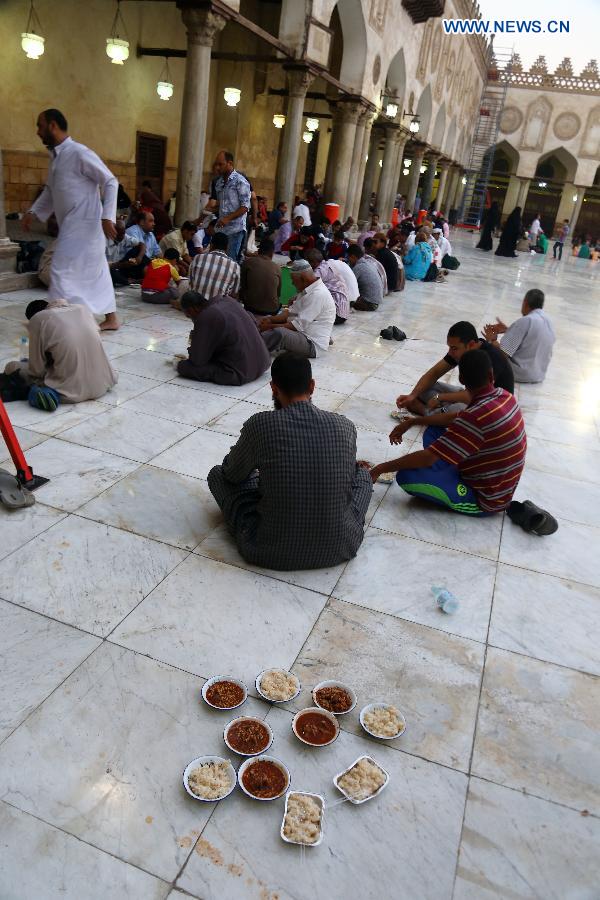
[136,338]
[114,350]
[197,454]
[237,391]
[208,617]
[19,526]
[86,574]
[416,518]
[394,575]
[538,730]
[368,414]
[146,364]
[563,430]
[158,504]
[219,545]
[76,473]
[559,459]
[547,618]
[49,423]
[128,433]
[36,655]
[521,847]
[364,344]
[127,387]
[339,381]
[566,553]
[322,398]
[375,447]
[128,726]
[576,501]
[38,860]
[346,361]
[26,439]
[380,390]
[434,678]
[231,422]
[178,404]
[240,855]
[170,321]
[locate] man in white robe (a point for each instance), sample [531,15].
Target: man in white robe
[82,193]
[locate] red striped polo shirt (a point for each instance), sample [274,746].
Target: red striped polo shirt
[487,443]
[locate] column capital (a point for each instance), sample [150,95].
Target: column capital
[445,165]
[299,79]
[202,25]
[433,156]
[347,110]
[418,151]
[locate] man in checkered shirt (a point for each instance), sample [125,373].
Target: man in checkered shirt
[291,491]
[214,274]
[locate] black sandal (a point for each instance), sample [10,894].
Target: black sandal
[398,334]
[387,333]
[532,518]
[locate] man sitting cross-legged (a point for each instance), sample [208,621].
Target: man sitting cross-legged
[305,326]
[226,347]
[291,491]
[474,465]
[528,342]
[430,395]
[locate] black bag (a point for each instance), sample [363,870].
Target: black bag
[13,387]
[450,262]
[28,257]
[432,273]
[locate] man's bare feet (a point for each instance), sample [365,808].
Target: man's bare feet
[111,323]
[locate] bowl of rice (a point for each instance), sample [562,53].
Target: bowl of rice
[278,685]
[303,819]
[209,778]
[361,781]
[382,720]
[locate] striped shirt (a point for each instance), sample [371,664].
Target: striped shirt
[214,274]
[487,443]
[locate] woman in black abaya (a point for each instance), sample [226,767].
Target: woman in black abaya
[491,220]
[512,231]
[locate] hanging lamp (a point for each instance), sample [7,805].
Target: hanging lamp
[117,48]
[278,120]
[232,96]
[312,124]
[31,42]
[164,88]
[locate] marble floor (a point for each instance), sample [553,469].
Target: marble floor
[120,593]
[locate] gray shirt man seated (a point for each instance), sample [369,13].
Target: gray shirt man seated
[528,342]
[291,491]
[225,346]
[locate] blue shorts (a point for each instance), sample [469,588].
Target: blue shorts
[440,483]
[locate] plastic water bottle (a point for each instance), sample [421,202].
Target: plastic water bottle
[446,601]
[24,355]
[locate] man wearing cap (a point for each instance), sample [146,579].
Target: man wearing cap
[305,326]
[443,243]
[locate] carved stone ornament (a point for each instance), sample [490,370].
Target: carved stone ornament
[540,66]
[536,125]
[435,48]
[202,26]
[590,145]
[510,120]
[376,69]
[566,126]
[565,70]
[516,64]
[451,69]
[591,71]
[377,15]
[421,10]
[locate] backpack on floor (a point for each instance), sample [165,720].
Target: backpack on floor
[450,262]
[432,273]
[28,257]
[13,387]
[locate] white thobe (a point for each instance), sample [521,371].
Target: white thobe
[79,272]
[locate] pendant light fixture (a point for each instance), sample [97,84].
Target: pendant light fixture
[307,137]
[117,48]
[164,88]
[278,120]
[232,96]
[31,42]
[312,124]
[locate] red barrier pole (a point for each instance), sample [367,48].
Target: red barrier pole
[24,473]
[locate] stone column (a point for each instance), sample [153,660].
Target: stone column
[523,191]
[439,197]
[8,249]
[202,26]
[451,189]
[341,150]
[458,191]
[387,182]
[415,174]
[429,178]
[510,198]
[299,80]
[357,168]
[369,119]
[370,173]
[565,207]
[580,191]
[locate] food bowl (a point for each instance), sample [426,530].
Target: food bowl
[215,680]
[248,763]
[334,684]
[370,707]
[238,721]
[201,760]
[269,699]
[314,712]
[370,796]
[321,801]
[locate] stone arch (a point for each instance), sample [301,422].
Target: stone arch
[566,160]
[437,138]
[354,34]
[537,120]
[504,149]
[424,111]
[396,78]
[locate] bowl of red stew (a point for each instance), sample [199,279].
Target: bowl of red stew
[224,692]
[315,727]
[264,778]
[334,697]
[248,736]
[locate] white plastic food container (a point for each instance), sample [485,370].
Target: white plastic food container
[248,762]
[321,801]
[201,760]
[379,705]
[247,719]
[370,797]
[336,684]
[275,669]
[217,678]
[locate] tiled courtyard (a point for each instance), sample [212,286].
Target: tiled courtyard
[121,593]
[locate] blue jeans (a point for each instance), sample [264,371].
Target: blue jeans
[440,483]
[234,244]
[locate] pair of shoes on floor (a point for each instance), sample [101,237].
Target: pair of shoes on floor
[440,279]
[531,518]
[392,333]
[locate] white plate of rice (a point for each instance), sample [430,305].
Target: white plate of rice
[209,778]
[280,686]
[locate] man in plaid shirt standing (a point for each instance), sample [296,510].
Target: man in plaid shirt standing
[214,274]
[291,491]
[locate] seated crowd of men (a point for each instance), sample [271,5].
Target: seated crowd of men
[291,490]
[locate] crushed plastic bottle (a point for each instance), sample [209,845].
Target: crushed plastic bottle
[446,601]
[24,349]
